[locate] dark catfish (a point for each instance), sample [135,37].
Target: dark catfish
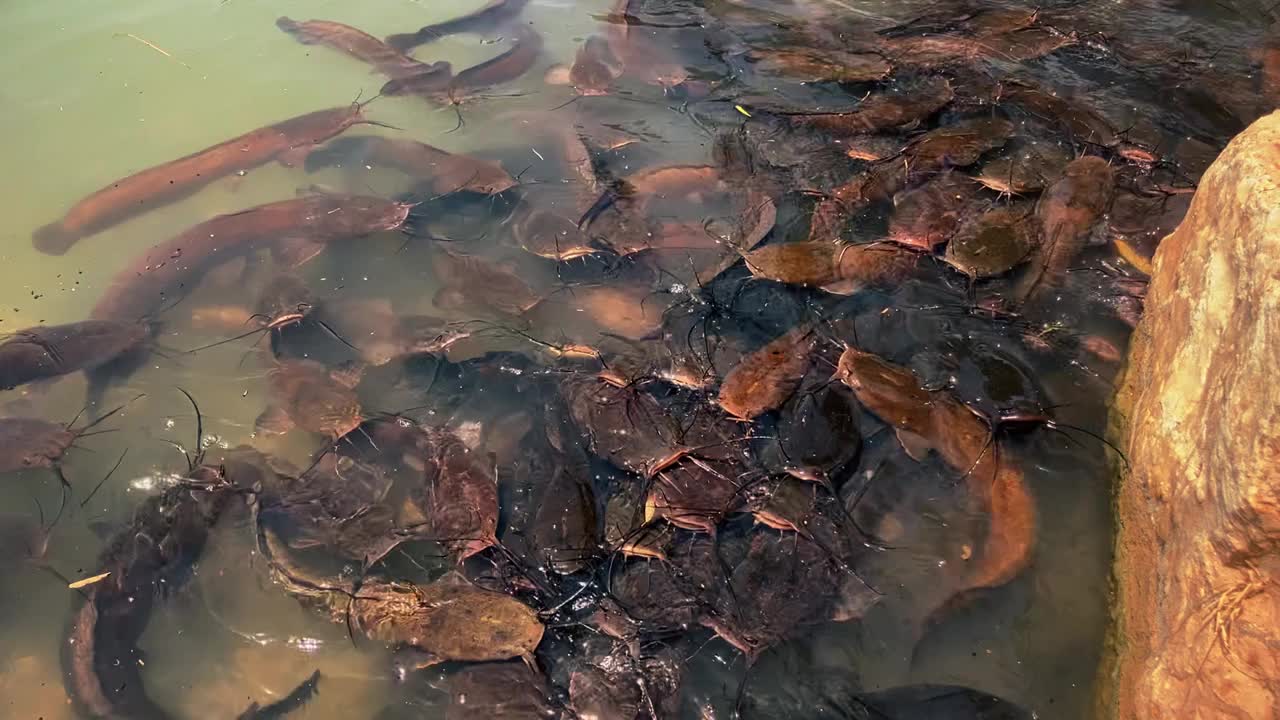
[457,503]
[565,527]
[442,621]
[1067,212]
[506,67]
[161,274]
[41,352]
[900,105]
[356,43]
[162,184]
[492,15]
[151,558]
[444,172]
[499,691]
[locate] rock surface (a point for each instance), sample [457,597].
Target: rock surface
[1197,571]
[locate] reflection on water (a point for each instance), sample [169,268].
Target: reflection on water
[566,298]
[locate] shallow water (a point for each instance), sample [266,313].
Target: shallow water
[89,95]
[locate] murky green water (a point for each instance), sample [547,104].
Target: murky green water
[91,92]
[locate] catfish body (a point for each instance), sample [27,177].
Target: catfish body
[161,273]
[174,180]
[43,352]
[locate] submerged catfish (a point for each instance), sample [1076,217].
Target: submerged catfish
[443,171]
[443,621]
[1067,212]
[483,20]
[508,66]
[150,558]
[179,178]
[294,228]
[358,44]
[42,352]
[937,420]
[305,394]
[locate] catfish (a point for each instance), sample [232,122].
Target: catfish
[836,268]
[296,229]
[151,558]
[994,242]
[927,216]
[443,621]
[489,17]
[499,691]
[442,172]
[764,380]
[904,104]
[456,503]
[163,184]
[566,526]
[510,65]
[49,351]
[1067,213]
[338,504]
[306,394]
[937,420]
[357,44]
[957,145]
[819,65]
[776,590]
[474,285]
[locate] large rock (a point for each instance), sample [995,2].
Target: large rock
[1197,568]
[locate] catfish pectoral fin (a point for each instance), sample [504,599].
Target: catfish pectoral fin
[915,445]
[273,421]
[54,239]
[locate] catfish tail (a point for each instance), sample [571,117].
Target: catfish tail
[54,239]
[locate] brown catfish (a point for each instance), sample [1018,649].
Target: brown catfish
[457,503]
[42,352]
[149,559]
[440,622]
[937,420]
[179,178]
[158,275]
[445,172]
[490,16]
[1067,212]
[766,378]
[901,105]
[356,43]
[306,394]
[506,67]
[837,268]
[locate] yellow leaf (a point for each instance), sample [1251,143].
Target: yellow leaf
[88,581]
[742,110]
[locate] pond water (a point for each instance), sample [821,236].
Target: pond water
[576,312]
